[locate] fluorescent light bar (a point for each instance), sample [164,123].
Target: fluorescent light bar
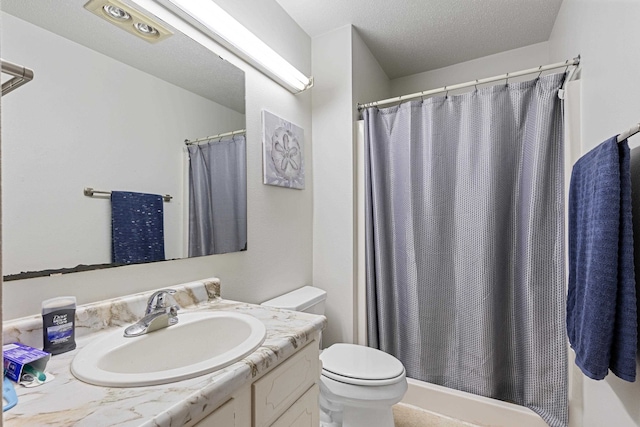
[219,22]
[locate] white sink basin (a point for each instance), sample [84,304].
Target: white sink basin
[200,343]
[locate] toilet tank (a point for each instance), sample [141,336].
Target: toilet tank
[307,299]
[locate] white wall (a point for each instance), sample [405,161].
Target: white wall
[370,82]
[116,128]
[345,73]
[488,66]
[333,192]
[279,255]
[607,36]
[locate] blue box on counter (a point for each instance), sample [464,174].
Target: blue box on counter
[17,355]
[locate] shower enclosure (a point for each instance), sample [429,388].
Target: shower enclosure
[465,242]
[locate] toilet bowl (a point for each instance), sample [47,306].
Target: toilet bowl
[358,384]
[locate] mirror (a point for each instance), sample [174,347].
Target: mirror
[105,110]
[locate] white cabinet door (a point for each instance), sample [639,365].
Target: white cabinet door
[280,388]
[236,412]
[303,413]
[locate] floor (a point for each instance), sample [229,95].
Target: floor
[412,416]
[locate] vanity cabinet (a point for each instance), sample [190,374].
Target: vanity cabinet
[285,396]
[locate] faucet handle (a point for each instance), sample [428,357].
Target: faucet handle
[157,300]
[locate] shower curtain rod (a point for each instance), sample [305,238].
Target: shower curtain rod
[21,75]
[89,192]
[220,135]
[630,132]
[540,69]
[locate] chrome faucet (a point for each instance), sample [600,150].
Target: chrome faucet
[159,314]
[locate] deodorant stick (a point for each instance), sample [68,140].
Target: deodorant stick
[58,324]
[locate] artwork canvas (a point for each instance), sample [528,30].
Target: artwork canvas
[283,155]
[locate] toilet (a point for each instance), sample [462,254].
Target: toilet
[359,384]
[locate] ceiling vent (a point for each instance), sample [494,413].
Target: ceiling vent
[128,19]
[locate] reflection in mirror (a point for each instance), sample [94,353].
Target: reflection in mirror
[217,196]
[110,111]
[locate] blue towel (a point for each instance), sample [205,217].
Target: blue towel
[137,227]
[601,301]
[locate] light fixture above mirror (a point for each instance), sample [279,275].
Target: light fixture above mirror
[217,24]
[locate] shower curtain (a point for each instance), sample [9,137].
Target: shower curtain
[217,197]
[465,242]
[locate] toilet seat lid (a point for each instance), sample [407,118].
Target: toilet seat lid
[360,362]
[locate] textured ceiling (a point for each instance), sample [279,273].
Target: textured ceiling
[177,59]
[412,36]
[405,36]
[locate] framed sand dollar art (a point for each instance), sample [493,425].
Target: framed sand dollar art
[283,152]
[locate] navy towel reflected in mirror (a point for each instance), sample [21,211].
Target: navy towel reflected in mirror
[137,227]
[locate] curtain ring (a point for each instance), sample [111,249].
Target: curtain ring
[567,69]
[507,82]
[446,95]
[476,85]
[540,69]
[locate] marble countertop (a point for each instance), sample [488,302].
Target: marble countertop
[66,401]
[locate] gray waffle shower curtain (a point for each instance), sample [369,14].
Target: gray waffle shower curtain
[465,242]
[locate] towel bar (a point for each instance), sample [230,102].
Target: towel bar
[89,192]
[632,131]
